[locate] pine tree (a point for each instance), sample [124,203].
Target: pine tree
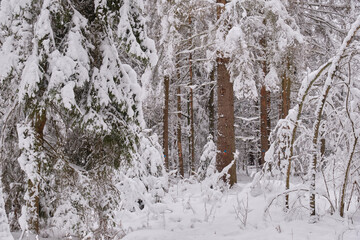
[225,124]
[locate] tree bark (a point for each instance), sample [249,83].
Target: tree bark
[226,131]
[264,109]
[166,122]
[285,93]
[179,144]
[191,106]
[211,106]
[192,130]
[264,123]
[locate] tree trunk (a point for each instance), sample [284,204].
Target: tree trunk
[189,134]
[33,206]
[347,172]
[211,106]
[166,122]
[319,111]
[264,109]
[192,130]
[181,159]
[33,203]
[226,131]
[296,120]
[264,122]
[345,183]
[191,108]
[225,128]
[285,93]
[313,166]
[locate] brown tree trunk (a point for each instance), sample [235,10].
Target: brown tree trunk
[285,93]
[264,122]
[226,131]
[225,127]
[166,122]
[268,104]
[189,133]
[181,159]
[264,111]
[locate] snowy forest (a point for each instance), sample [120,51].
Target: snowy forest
[180,119]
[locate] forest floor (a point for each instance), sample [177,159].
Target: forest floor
[185,216]
[192,211]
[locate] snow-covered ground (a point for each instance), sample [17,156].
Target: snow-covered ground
[194,211]
[183,215]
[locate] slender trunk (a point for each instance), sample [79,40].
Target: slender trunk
[166,122]
[296,124]
[191,103]
[264,123]
[285,93]
[344,186]
[33,203]
[320,107]
[181,159]
[189,134]
[264,110]
[211,106]
[315,154]
[285,106]
[268,105]
[192,130]
[226,131]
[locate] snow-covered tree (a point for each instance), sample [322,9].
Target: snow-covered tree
[77,108]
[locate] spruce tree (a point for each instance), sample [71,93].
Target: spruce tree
[77,108]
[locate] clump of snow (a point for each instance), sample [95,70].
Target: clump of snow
[31,76]
[28,157]
[272,80]
[207,159]
[67,95]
